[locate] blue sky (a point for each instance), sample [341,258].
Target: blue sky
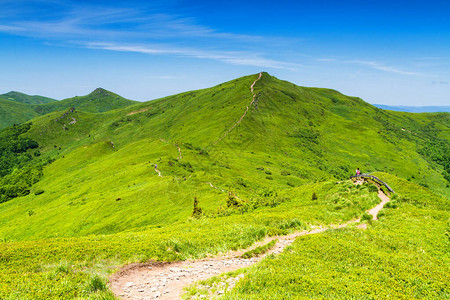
[386,52]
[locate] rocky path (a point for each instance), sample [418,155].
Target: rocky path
[167,280]
[245,112]
[374,211]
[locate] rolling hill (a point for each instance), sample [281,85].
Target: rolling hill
[24,98]
[17,107]
[113,181]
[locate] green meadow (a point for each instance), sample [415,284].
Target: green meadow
[81,195]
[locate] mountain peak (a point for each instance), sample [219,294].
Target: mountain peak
[100,92]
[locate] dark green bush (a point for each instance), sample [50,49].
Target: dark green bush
[366,217]
[96,284]
[372,188]
[197,212]
[39,192]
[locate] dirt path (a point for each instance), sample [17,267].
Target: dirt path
[167,280]
[179,151]
[374,211]
[245,112]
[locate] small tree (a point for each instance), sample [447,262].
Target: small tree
[314,196]
[197,212]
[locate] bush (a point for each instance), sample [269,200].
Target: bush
[197,212]
[96,284]
[232,200]
[372,188]
[314,196]
[39,192]
[391,204]
[366,217]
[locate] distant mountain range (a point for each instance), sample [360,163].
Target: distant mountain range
[414,109]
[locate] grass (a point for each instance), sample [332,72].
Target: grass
[403,255]
[25,264]
[100,203]
[259,250]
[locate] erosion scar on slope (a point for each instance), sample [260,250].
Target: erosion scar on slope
[166,280]
[245,112]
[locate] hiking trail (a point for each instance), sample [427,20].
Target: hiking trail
[245,112]
[164,280]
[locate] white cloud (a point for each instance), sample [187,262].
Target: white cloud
[381,67]
[235,58]
[327,59]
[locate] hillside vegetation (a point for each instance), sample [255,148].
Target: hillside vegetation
[16,108]
[117,181]
[27,99]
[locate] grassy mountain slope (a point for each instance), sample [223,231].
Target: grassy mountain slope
[401,256]
[27,99]
[17,108]
[99,100]
[291,136]
[12,112]
[102,196]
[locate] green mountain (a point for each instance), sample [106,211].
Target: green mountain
[99,100]
[12,112]
[24,98]
[116,182]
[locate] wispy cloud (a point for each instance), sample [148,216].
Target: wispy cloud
[231,57]
[326,59]
[381,67]
[141,31]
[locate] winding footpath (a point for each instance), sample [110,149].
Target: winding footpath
[166,280]
[245,112]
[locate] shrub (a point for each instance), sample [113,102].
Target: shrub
[366,217]
[392,204]
[314,196]
[232,200]
[96,284]
[285,173]
[30,212]
[39,192]
[197,212]
[372,188]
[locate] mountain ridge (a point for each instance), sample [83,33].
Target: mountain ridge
[218,169]
[28,99]
[98,101]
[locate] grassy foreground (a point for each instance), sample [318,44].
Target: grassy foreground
[69,267]
[404,255]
